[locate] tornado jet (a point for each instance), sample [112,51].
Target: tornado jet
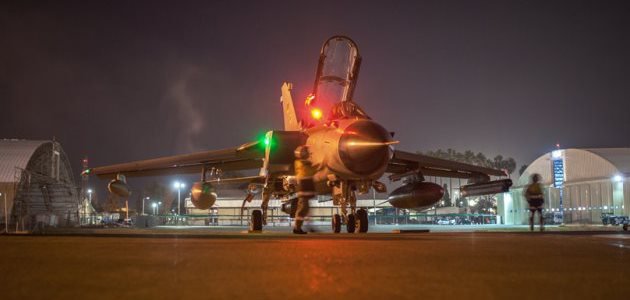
[350,151]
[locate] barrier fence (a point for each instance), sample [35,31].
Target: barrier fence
[285,220]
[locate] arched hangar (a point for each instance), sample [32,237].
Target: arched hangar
[579,184]
[37,183]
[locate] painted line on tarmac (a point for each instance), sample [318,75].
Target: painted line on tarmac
[411,231]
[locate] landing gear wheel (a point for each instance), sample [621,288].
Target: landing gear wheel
[255,223]
[361,221]
[336,223]
[625,227]
[351,223]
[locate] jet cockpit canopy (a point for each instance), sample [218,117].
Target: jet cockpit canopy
[336,79]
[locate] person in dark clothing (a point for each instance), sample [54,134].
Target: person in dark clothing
[535,199]
[304,172]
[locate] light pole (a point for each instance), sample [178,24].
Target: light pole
[179,185]
[154,205]
[90,195]
[145,198]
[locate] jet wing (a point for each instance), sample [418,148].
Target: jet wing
[407,162]
[247,156]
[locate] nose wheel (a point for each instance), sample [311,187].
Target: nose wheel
[336,223]
[351,223]
[361,221]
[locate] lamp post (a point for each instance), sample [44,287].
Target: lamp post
[179,185]
[154,205]
[145,198]
[90,195]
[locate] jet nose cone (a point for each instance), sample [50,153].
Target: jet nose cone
[365,148]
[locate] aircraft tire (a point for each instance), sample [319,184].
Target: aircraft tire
[351,224]
[255,223]
[336,223]
[361,221]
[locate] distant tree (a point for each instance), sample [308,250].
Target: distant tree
[484,205]
[479,159]
[112,203]
[447,197]
[522,169]
[480,204]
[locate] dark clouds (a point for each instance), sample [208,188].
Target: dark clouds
[122,81]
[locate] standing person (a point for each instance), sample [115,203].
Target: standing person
[534,196]
[304,172]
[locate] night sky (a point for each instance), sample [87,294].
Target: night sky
[124,81]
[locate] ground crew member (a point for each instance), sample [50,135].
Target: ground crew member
[304,172]
[534,196]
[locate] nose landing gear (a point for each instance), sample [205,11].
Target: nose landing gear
[336,223]
[351,223]
[361,221]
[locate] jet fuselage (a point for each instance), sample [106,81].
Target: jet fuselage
[349,150]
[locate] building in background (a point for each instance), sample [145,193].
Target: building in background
[37,180]
[580,185]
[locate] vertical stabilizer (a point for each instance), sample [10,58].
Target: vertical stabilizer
[288,111]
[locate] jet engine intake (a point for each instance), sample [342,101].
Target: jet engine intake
[492,187]
[416,195]
[119,188]
[364,147]
[203,195]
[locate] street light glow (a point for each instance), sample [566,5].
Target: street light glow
[179,185]
[89,191]
[618,178]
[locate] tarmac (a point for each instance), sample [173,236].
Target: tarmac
[487,262]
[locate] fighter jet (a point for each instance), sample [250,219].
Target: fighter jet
[349,150]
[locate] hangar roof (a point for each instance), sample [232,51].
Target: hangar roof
[619,157]
[15,154]
[581,165]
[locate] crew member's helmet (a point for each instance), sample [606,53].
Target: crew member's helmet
[301,152]
[535,178]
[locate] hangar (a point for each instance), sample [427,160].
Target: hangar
[37,185]
[580,185]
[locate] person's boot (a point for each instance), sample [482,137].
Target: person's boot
[299,231]
[298,227]
[542,224]
[531,223]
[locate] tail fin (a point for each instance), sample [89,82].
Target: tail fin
[288,111]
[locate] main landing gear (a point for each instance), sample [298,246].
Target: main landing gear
[355,223]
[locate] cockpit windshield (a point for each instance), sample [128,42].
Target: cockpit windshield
[336,79]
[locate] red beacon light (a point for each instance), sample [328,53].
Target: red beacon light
[316,113]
